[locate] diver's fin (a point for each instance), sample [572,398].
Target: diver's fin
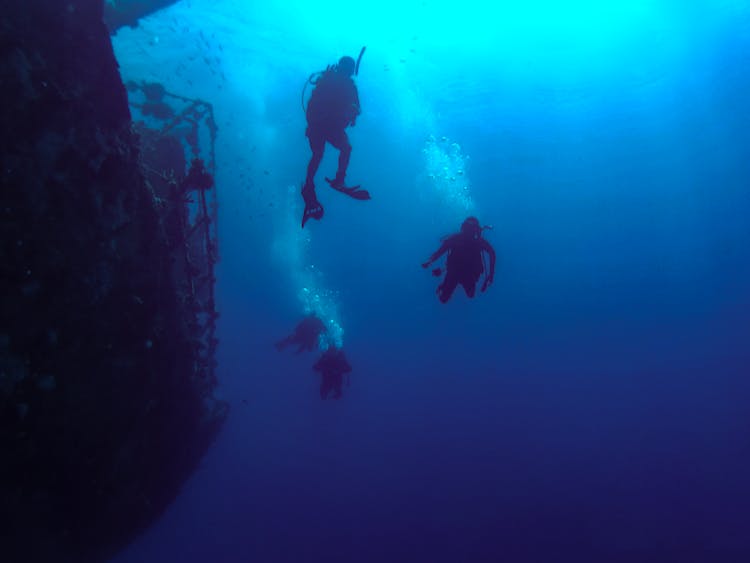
[357,193]
[313,208]
[351,191]
[314,211]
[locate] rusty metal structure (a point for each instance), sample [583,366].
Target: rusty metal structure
[178,158]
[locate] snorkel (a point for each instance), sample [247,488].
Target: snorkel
[359,58]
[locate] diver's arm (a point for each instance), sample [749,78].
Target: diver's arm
[493,257]
[356,109]
[487,247]
[438,253]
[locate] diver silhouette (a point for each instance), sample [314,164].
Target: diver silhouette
[306,335]
[332,366]
[333,106]
[465,263]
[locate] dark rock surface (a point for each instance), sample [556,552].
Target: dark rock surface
[103,412]
[121,13]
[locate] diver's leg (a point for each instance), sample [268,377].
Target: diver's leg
[446,289]
[337,383]
[340,140]
[317,145]
[470,287]
[325,385]
[313,209]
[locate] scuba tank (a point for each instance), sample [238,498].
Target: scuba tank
[315,77]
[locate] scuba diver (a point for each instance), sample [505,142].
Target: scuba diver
[333,106]
[332,366]
[306,335]
[465,262]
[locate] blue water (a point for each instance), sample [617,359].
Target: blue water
[594,404]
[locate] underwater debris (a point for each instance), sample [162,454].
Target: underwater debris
[159,110]
[153,91]
[197,178]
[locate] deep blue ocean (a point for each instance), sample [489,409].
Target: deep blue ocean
[594,404]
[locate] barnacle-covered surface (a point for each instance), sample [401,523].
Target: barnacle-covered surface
[106,296]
